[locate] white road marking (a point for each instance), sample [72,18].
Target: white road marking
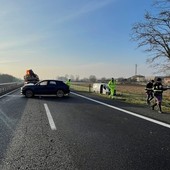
[50,118]
[125,111]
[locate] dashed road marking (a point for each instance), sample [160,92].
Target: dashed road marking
[50,118]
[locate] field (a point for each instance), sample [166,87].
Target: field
[128,93]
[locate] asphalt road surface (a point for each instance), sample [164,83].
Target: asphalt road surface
[81,132]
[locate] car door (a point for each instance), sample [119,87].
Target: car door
[51,87]
[41,87]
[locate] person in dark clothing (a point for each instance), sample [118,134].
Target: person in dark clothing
[158,90]
[149,91]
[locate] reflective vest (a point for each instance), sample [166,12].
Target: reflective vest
[112,84]
[68,83]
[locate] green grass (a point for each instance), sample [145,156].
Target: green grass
[132,98]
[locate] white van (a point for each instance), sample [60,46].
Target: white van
[101,88]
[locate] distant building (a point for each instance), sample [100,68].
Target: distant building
[148,78]
[138,78]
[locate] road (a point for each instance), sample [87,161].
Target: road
[81,132]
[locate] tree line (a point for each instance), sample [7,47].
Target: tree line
[6,78]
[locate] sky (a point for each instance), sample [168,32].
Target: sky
[72,37]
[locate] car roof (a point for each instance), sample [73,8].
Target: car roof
[50,80]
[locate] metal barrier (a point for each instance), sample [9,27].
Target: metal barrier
[6,87]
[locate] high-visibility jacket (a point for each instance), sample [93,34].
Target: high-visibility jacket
[112,84]
[68,83]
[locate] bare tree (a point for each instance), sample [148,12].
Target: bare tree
[103,80]
[77,78]
[72,77]
[154,35]
[92,78]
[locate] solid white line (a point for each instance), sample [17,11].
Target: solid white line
[125,111]
[50,118]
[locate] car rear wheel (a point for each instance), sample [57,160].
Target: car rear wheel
[29,93]
[60,93]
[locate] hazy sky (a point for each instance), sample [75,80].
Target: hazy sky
[74,37]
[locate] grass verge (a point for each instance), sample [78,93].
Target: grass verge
[129,94]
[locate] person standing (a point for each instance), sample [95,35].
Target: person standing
[158,91]
[149,91]
[112,87]
[68,82]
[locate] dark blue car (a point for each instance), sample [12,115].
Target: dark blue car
[46,87]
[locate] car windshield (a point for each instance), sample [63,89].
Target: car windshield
[43,83]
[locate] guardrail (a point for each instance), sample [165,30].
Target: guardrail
[6,87]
